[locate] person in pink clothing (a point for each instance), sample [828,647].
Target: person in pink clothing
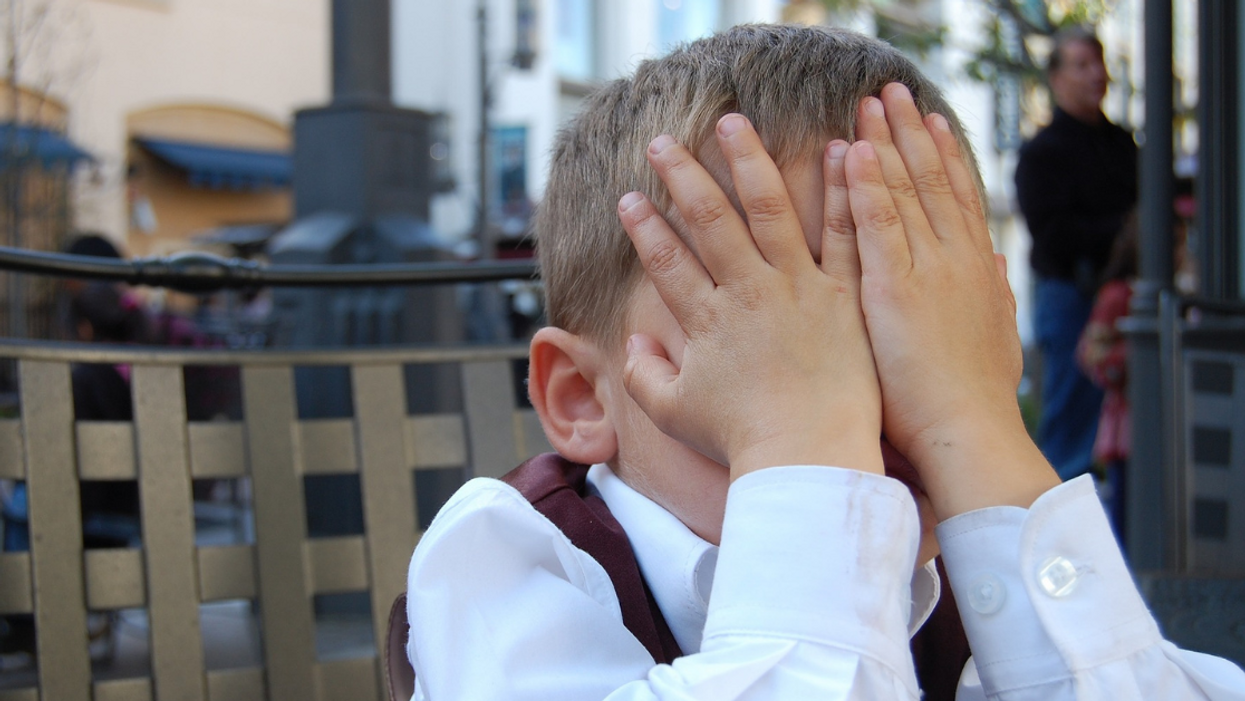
[1102,354]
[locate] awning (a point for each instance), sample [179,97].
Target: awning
[28,144]
[223,168]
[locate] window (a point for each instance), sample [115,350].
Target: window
[574,44]
[685,20]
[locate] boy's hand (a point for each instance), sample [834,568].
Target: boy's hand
[940,313]
[777,368]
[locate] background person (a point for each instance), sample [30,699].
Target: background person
[1076,182]
[1103,354]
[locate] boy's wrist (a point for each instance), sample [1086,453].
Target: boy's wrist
[855,451]
[982,462]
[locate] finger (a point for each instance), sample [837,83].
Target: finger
[839,257]
[963,184]
[772,220]
[680,279]
[880,237]
[650,378]
[924,164]
[716,231]
[871,125]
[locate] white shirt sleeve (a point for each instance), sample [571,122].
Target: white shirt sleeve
[810,600]
[1052,613]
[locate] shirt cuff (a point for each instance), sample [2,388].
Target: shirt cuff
[818,554]
[1044,591]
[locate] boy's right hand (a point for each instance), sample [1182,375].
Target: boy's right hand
[777,368]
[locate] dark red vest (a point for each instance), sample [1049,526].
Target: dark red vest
[556,488]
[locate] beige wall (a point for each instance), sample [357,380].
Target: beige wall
[261,59]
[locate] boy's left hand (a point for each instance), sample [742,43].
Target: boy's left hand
[777,368]
[940,313]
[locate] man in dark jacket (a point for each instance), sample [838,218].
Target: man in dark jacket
[1076,182]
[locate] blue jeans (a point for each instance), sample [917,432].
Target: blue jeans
[1070,402]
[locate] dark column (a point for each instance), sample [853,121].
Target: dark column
[1152,536]
[1217,245]
[361,51]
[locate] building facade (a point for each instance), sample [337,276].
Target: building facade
[185,108]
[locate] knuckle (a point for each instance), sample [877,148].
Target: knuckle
[768,206]
[883,218]
[932,180]
[903,187]
[664,257]
[705,213]
[840,222]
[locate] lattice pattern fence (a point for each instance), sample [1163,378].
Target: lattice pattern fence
[59,582]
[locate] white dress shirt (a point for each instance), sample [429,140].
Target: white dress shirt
[812,598]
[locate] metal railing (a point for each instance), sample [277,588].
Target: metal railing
[201,272]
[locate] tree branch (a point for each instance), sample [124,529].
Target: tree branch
[1012,9]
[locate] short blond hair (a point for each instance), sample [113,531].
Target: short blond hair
[800,86]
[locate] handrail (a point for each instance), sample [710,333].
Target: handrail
[1229,307]
[195,271]
[1219,314]
[119,354]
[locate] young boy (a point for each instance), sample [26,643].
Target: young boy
[726,364]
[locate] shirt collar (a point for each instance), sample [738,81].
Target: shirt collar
[678,565]
[1068,121]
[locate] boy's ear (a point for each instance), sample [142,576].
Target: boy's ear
[562,383]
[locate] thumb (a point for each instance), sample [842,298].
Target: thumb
[649,377]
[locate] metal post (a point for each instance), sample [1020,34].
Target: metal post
[1218,175]
[483,235]
[361,51]
[1152,523]
[16,164]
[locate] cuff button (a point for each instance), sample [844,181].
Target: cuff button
[986,595]
[1058,577]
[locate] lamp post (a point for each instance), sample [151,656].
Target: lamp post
[484,236]
[1155,523]
[17,310]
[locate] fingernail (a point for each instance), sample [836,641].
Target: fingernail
[660,144]
[939,122]
[629,200]
[731,124]
[874,107]
[902,90]
[865,149]
[838,150]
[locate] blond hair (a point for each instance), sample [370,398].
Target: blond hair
[800,86]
